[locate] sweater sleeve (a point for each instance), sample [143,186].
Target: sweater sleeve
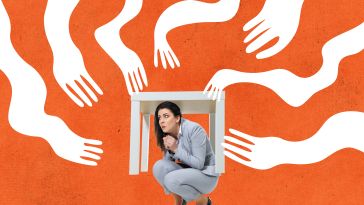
[195,159]
[168,156]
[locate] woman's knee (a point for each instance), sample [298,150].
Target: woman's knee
[172,182]
[157,169]
[157,165]
[161,168]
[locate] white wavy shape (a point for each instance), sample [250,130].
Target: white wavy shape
[184,13]
[26,112]
[342,130]
[293,89]
[128,61]
[276,19]
[68,65]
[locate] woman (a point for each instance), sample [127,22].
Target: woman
[188,167]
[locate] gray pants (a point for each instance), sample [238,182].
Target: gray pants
[188,183]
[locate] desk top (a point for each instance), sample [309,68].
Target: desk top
[190,102]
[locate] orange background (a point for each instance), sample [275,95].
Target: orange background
[31,173]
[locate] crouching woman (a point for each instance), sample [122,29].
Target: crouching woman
[187,170]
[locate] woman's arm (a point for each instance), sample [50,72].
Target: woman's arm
[195,159]
[168,156]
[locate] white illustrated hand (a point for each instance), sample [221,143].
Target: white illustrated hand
[69,71]
[72,147]
[162,48]
[220,81]
[264,153]
[68,65]
[128,61]
[276,19]
[132,68]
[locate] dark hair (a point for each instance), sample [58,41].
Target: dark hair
[157,129]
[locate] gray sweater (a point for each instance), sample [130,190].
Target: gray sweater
[194,148]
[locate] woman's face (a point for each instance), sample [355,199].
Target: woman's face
[167,121]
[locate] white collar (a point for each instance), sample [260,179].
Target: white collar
[180,130]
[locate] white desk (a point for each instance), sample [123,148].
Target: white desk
[193,102]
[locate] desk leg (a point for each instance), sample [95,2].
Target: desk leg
[134,138]
[220,132]
[145,142]
[212,128]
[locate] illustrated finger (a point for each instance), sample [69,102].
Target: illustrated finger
[260,41]
[215,94]
[139,81]
[85,162]
[238,142]
[128,85]
[174,57]
[237,150]
[144,75]
[80,93]
[163,59]
[93,149]
[155,58]
[169,59]
[93,142]
[73,97]
[211,92]
[207,87]
[242,135]
[88,90]
[253,22]
[90,155]
[236,158]
[136,89]
[258,30]
[93,83]
[272,50]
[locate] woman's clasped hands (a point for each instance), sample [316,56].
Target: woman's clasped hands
[170,143]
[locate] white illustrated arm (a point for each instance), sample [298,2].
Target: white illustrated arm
[26,111]
[68,65]
[184,13]
[291,88]
[128,61]
[343,130]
